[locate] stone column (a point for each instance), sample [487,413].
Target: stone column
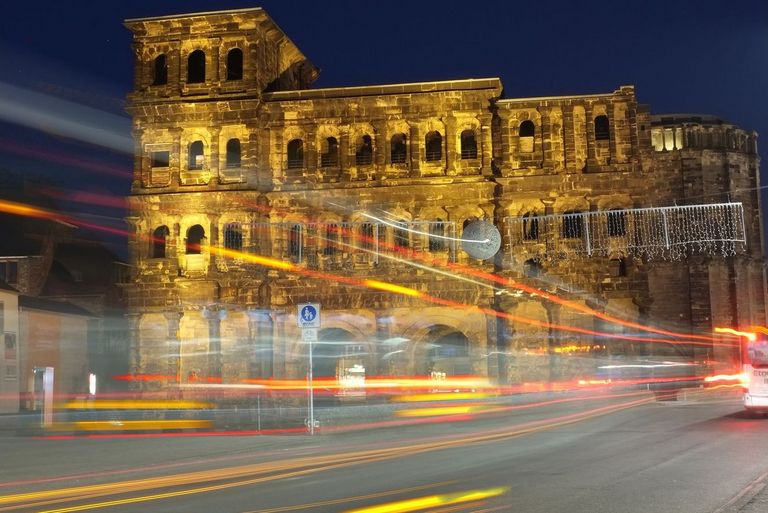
[379,149]
[310,152]
[213,160]
[569,138]
[344,168]
[260,341]
[134,349]
[174,346]
[546,138]
[612,133]
[486,146]
[590,126]
[214,314]
[452,153]
[415,146]
[175,160]
[553,339]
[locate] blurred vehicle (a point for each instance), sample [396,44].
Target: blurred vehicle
[755,375]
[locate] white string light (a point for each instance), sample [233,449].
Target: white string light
[668,233]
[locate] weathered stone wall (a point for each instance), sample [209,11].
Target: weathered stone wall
[435,152]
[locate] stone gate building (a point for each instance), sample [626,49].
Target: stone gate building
[234,150]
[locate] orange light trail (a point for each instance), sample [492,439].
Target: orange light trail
[412,254]
[746,334]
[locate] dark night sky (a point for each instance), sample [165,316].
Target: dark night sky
[705,56]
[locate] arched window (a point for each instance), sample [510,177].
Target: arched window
[295,242]
[530,226]
[364,152]
[295,154]
[401,234]
[366,236]
[573,225]
[602,130]
[527,129]
[331,156]
[433,143]
[532,268]
[196,155]
[159,238]
[233,153]
[196,67]
[233,236]
[160,72]
[235,64]
[526,132]
[468,145]
[398,152]
[331,239]
[436,234]
[616,223]
[195,236]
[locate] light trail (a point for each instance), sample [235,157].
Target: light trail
[283,469]
[26,210]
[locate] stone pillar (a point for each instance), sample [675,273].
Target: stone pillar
[415,150]
[452,153]
[612,133]
[174,346]
[310,152]
[379,148]
[486,146]
[590,126]
[569,138]
[553,339]
[547,162]
[139,68]
[213,163]
[344,167]
[260,342]
[134,348]
[214,242]
[214,314]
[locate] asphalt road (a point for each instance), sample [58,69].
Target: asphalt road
[567,454]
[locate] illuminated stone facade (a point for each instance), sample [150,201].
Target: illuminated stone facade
[352,184]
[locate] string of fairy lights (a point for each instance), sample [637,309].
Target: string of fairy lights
[666,233]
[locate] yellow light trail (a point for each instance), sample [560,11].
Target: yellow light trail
[290,468]
[432,501]
[144,404]
[746,334]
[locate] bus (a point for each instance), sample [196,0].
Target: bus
[754,369]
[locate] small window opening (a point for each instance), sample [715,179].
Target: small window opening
[602,130]
[399,150]
[295,154]
[233,236]
[532,268]
[195,236]
[235,64]
[160,75]
[364,154]
[196,155]
[616,223]
[161,158]
[366,236]
[331,156]
[530,227]
[433,143]
[295,242]
[233,153]
[159,239]
[526,133]
[331,239]
[573,225]
[468,145]
[436,234]
[196,67]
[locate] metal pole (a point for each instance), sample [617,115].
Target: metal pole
[311,394]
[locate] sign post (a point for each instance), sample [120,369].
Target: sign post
[308,320]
